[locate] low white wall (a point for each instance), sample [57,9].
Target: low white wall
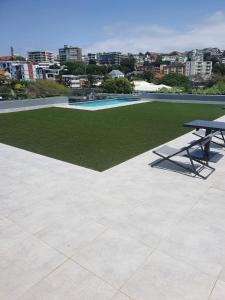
[32,102]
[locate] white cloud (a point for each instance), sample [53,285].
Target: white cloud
[140,38]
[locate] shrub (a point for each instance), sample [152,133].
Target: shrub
[176,80]
[46,88]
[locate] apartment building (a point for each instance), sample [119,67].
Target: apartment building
[19,70]
[197,55]
[92,56]
[175,58]
[199,67]
[173,68]
[75,81]
[109,58]
[41,56]
[170,58]
[70,54]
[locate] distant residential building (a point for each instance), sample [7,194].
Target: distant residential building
[170,58]
[4,58]
[109,58]
[197,55]
[182,59]
[19,70]
[174,58]
[48,71]
[70,54]
[85,59]
[173,68]
[199,67]
[116,74]
[223,60]
[41,56]
[75,81]
[92,56]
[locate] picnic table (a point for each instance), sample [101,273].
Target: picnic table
[210,127]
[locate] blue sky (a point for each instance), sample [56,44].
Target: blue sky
[111,25]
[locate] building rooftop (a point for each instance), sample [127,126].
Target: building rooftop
[131,232]
[115,73]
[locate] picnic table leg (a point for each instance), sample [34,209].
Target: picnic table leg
[207,146]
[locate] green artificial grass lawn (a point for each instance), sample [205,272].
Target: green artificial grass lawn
[100,139]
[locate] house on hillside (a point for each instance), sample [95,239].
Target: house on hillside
[116,74]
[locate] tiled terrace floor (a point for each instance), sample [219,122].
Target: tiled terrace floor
[132,232]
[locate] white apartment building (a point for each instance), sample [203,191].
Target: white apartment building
[41,56]
[197,55]
[170,58]
[199,67]
[174,58]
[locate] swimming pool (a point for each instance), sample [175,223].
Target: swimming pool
[100,103]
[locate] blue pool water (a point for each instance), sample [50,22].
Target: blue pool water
[103,102]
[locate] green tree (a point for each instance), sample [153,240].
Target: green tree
[127,64]
[176,80]
[117,86]
[92,62]
[148,75]
[219,69]
[73,68]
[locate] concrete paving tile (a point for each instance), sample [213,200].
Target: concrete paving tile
[218,291]
[174,203]
[210,210]
[105,211]
[120,296]
[142,235]
[24,265]
[37,216]
[112,257]
[164,278]
[70,282]
[222,274]
[201,246]
[152,220]
[68,234]
[11,235]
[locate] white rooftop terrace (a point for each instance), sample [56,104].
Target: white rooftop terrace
[131,232]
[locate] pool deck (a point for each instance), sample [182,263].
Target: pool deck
[131,232]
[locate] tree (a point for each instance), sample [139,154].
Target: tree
[219,69]
[117,86]
[177,80]
[127,64]
[55,66]
[94,69]
[92,62]
[148,75]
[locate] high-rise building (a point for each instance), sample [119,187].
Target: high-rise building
[69,53]
[109,58]
[41,56]
[199,67]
